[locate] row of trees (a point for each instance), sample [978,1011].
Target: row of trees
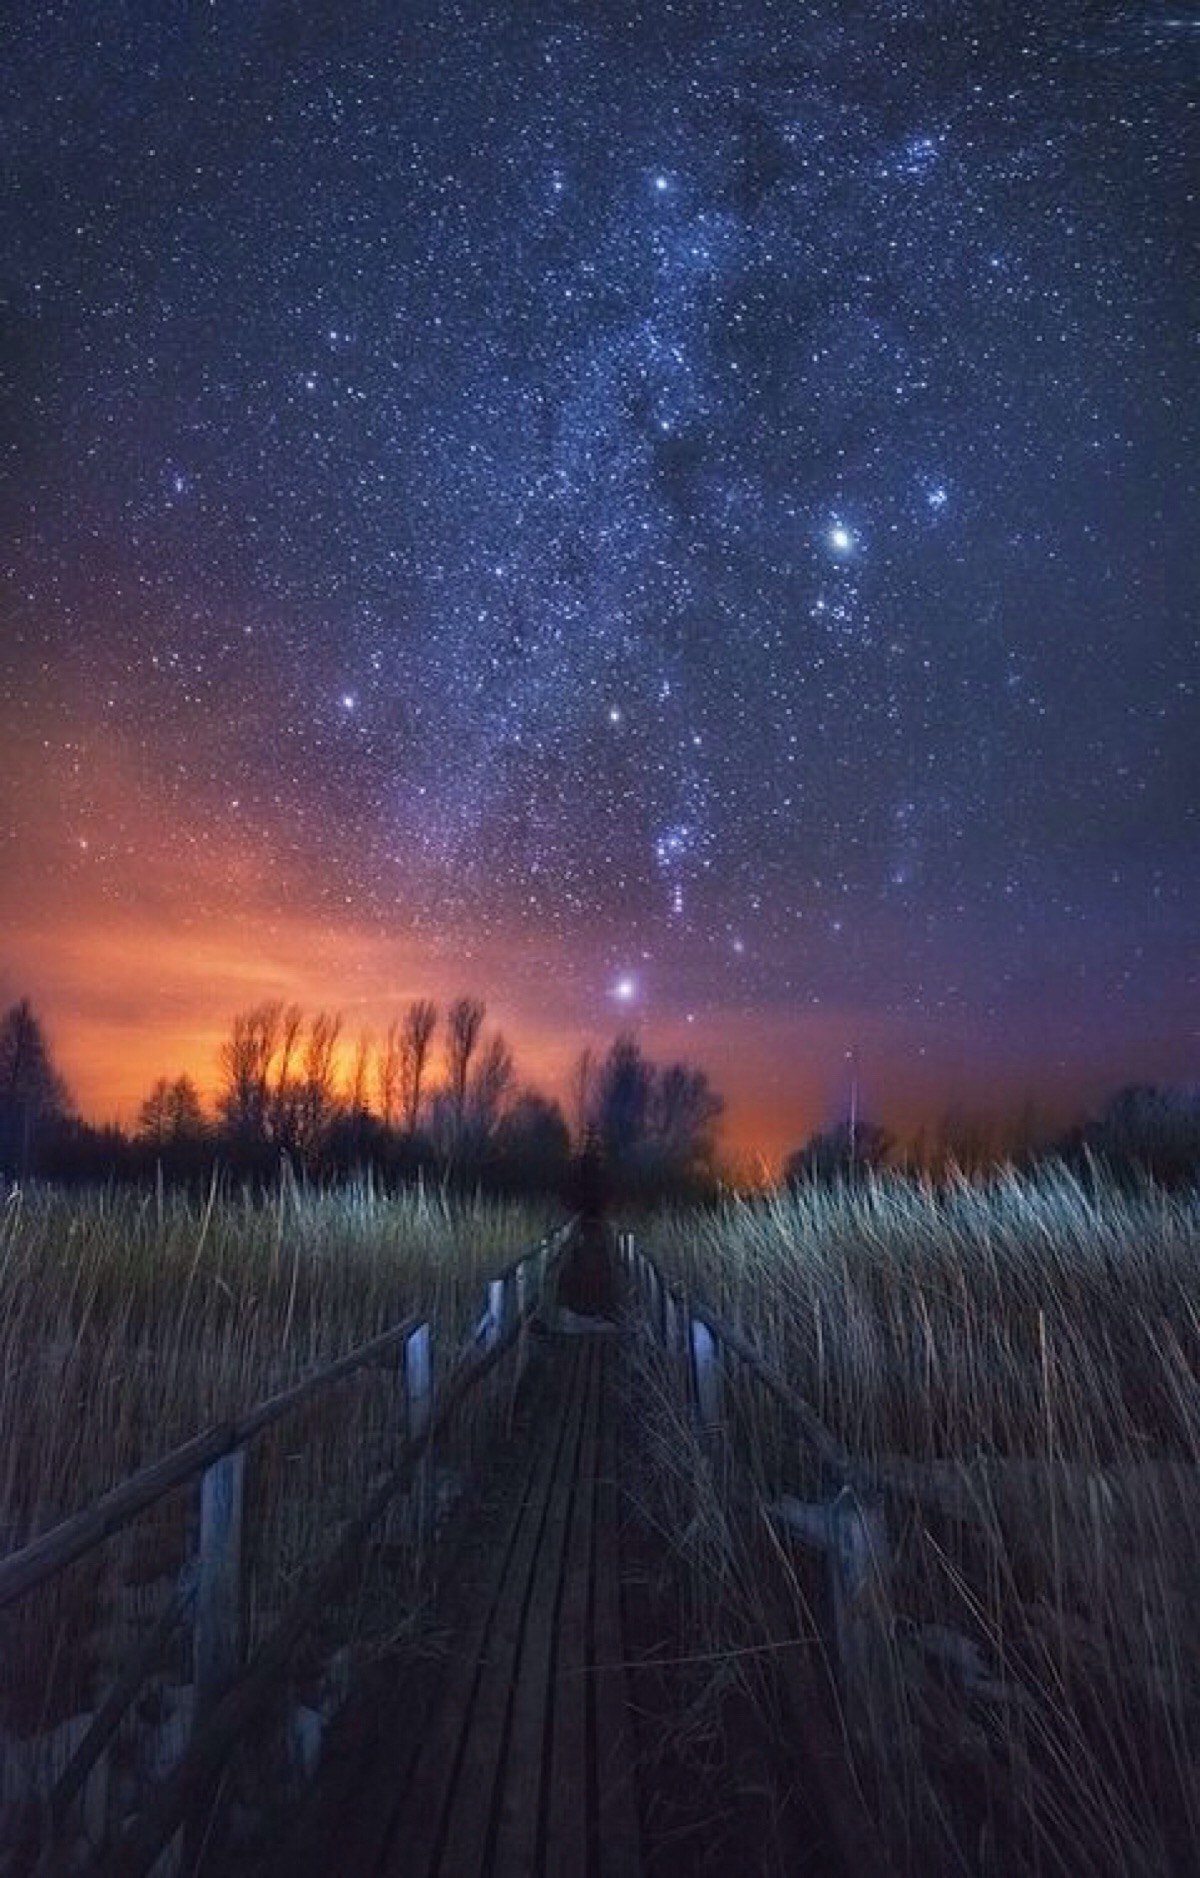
[1143,1130]
[438,1092]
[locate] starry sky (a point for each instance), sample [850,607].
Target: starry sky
[679,516]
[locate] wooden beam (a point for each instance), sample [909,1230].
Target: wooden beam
[544,1660]
[619,1835]
[217,1637]
[573,1692]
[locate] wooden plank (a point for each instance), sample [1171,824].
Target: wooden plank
[414,1843]
[619,1831]
[405,1801]
[567,1800]
[482,1765]
[277,1406]
[553,1665]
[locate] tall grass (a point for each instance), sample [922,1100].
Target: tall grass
[129,1322]
[1026,1354]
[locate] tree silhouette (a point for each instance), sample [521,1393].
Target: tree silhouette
[317,1095]
[360,1074]
[531,1147]
[278,1081]
[464,1021]
[1145,1130]
[254,1064]
[415,1044]
[171,1113]
[839,1152]
[491,1084]
[654,1127]
[33,1096]
[622,1103]
[685,1110]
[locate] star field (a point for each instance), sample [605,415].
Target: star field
[706,495]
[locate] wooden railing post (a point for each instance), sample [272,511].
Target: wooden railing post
[496,1311]
[860,1591]
[217,1636]
[706,1376]
[658,1303]
[526,1298]
[418,1381]
[418,1388]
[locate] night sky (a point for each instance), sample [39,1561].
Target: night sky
[673,516]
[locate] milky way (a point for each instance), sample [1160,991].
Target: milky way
[709,488]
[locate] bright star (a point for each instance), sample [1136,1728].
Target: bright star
[841,540]
[938,496]
[625,990]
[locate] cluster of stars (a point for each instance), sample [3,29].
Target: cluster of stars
[703,493]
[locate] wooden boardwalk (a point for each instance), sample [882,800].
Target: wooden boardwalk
[518,1754]
[528,1767]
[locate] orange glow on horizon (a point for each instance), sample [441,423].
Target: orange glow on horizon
[155,929]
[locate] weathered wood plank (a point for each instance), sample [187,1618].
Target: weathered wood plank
[554,1655]
[422,1816]
[408,1792]
[619,1830]
[483,1765]
[572,1723]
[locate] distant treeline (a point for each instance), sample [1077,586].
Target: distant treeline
[438,1095]
[1142,1132]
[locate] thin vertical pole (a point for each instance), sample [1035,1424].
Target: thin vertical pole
[217,1636]
[707,1377]
[418,1403]
[859,1582]
[495,1329]
[418,1381]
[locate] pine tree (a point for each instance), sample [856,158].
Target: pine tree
[33,1095]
